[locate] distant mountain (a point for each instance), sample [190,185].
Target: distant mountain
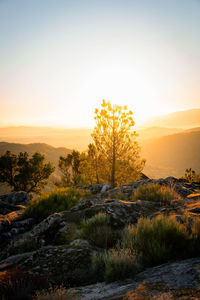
[180,119]
[156,132]
[52,154]
[69,138]
[172,154]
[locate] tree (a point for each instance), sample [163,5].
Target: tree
[24,173]
[69,167]
[191,175]
[90,166]
[114,139]
[8,165]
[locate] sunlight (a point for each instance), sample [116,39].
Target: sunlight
[121,84]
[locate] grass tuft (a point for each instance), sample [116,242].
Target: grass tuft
[155,193]
[97,231]
[58,200]
[157,241]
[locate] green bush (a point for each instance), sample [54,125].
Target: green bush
[98,231]
[155,193]
[114,264]
[157,241]
[58,200]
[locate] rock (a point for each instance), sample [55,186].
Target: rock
[195,210]
[60,263]
[46,231]
[120,212]
[13,201]
[160,281]
[79,243]
[105,188]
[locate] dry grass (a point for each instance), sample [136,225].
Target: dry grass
[155,193]
[57,293]
[160,292]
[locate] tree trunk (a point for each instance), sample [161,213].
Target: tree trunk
[113,157]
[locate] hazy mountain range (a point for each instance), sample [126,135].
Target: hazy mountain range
[169,147]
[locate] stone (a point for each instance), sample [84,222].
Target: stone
[61,263]
[161,281]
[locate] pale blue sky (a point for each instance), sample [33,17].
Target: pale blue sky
[59,59]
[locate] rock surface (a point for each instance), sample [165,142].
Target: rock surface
[69,260]
[162,281]
[60,263]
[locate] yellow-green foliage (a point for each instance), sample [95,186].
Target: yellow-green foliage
[98,230]
[149,243]
[114,264]
[58,200]
[155,192]
[156,241]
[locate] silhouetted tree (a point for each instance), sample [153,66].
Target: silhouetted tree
[24,173]
[191,175]
[69,167]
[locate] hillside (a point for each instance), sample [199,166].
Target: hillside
[155,132]
[52,154]
[172,154]
[57,137]
[181,119]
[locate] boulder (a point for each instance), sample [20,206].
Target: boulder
[64,264]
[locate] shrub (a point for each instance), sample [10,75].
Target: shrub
[59,199]
[157,241]
[155,193]
[119,263]
[98,231]
[19,285]
[57,293]
[114,264]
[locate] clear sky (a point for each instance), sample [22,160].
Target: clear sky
[60,58]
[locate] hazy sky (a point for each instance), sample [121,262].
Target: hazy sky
[59,59]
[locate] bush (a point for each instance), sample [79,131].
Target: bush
[58,200]
[114,264]
[157,241]
[155,193]
[19,285]
[98,231]
[57,293]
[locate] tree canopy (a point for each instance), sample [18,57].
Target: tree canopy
[69,167]
[115,142]
[25,173]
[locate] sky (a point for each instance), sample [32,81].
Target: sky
[60,58]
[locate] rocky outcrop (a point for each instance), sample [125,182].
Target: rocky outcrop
[162,282]
[13,201]
[52,247]
[64,264]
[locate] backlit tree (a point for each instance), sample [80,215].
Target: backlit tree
[114,139]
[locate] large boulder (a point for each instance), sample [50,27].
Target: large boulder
[70,265]
[121,212]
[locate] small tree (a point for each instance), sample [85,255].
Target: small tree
[114,139]
[91,166]
[191,175]
[69,167]
[24,173]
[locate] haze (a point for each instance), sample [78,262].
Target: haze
[59,59]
